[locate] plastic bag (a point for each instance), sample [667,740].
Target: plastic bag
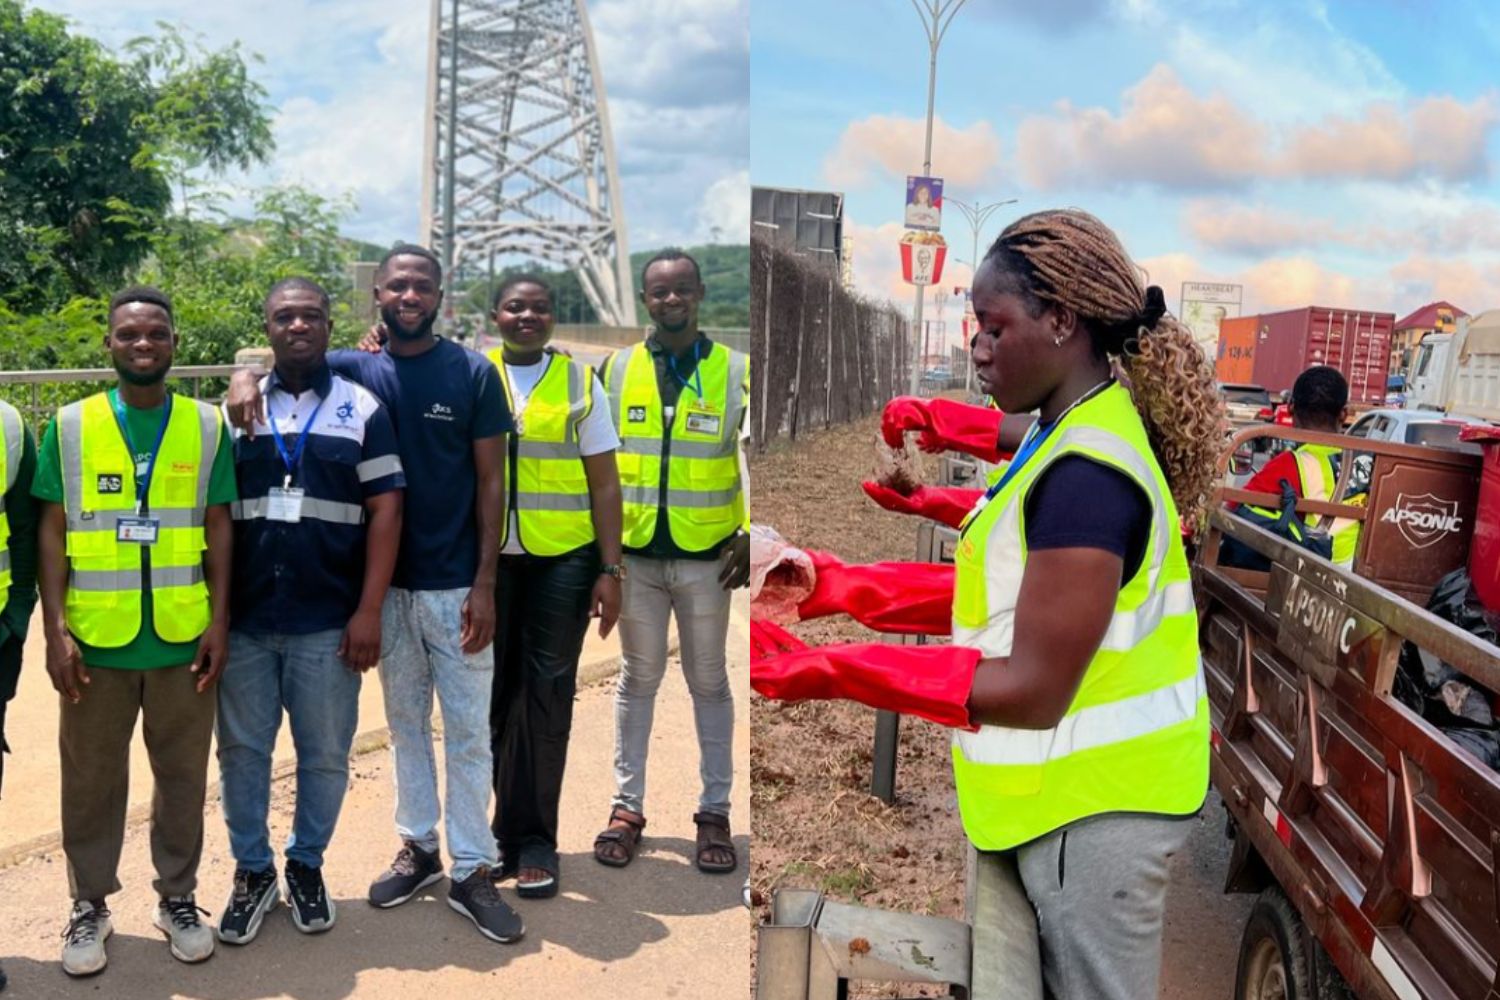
[781,576]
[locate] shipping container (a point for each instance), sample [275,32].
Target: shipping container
[1236,349]
[1285,344]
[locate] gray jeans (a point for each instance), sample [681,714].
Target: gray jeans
[654,589]
[1079,910]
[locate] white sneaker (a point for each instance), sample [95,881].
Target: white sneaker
[83,939]
[177,918]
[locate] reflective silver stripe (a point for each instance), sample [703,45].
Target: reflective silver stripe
[680,498]
[552,501]
[176,576]
[734,408]
[105,581]
[703,449]
[5,561]
[1088,728]
[106,520]
[70,445]
[1128,628]
[10,421]
[331,511]
[575,404]
[547,449]
[375,468]
[208,427]
[615,372]
[642,446]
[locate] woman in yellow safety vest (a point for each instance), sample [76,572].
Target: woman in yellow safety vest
[560,565]
[1073,681]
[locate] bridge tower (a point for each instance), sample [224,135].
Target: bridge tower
[519,160]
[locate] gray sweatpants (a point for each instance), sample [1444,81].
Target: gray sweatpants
[1074,915]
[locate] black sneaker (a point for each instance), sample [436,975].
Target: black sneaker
[413,870]
[312,910]
[475,897]
[252,897]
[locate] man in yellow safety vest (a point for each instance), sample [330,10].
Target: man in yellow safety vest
[679,402]
[134,550]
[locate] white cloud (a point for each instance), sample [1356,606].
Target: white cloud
[890,147]
[726,209]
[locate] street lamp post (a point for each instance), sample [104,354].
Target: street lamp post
[936,16]
[978,215]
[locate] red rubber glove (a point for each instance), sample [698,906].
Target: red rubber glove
[900,598]
[944,504]
[945,424]
[929,681]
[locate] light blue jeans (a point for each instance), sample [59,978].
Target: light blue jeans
[654,590]
[420,653]
[301,674]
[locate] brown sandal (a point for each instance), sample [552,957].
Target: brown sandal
[624,830]
[713,832]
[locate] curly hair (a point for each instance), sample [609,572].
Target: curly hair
[1067,257]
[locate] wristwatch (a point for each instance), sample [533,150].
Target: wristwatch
[615,570]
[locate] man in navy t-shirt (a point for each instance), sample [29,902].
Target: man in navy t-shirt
[439,618]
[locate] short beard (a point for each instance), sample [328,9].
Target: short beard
[392,324]
[682,327]
[139,378]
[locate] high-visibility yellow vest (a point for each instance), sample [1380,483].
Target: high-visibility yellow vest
[702,494]
[104,582]
[553,512]
[1135,738]
[1319,481]
[12,439]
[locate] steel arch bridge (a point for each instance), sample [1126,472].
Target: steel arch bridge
[522,161]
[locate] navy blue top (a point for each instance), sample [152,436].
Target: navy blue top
[441,402]
[1080,504]
[307,576]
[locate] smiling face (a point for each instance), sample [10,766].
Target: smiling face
[1016,359]
[673,294]
[923,196]
[523,315]
[297,326]
[141,342]
[408,294]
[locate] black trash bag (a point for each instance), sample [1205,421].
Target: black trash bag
[1286,525]
[1436,690]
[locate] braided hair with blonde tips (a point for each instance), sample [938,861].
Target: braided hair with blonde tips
[1068,258]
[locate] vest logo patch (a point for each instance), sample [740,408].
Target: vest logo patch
[109,483]
[636,415]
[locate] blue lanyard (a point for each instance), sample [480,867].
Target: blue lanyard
[142,483]
[293,461]
[697,383]
[1035,437]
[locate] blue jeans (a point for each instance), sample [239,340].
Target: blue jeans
[301,674]
[419,654]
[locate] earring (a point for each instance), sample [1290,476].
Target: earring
[1057,340]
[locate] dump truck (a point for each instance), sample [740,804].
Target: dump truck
[1459,372]
[1369,835]
[1272,349]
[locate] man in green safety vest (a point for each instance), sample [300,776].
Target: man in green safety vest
[134,551]
[679,403]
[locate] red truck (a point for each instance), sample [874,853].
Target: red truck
[1272,349]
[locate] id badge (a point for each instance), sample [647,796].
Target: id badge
[137,530]
[703,422]
[285,504]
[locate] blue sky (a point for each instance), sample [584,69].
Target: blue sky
[1338,153]
[348,78]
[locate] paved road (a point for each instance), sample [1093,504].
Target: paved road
[656,929]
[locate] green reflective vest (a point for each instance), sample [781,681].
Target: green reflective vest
[690,466]
[104,581]
[1135,738]
[12,439]
[1319,481]
[553,512]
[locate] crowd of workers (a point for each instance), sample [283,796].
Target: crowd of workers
[454,519]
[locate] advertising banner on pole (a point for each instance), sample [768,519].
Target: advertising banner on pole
[924,203]
[922,257]
[1203,305]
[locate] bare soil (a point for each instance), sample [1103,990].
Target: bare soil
[814,823]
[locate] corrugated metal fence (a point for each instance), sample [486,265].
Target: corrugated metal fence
[821,355]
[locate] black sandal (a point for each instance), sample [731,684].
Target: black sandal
[627,836]
[713,832]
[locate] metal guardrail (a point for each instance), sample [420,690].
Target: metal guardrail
[24,389]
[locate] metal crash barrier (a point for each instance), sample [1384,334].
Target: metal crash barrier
[813,947]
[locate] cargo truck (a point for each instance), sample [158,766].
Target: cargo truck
[1272,349]
[1459,372]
